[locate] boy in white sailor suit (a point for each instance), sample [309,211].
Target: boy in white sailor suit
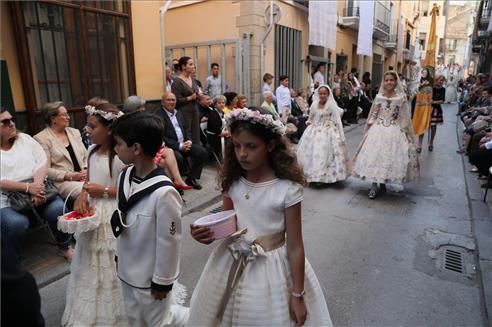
[147,225]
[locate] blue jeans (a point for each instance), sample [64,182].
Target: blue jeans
[15,225]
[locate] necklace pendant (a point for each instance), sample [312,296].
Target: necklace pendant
[246,196]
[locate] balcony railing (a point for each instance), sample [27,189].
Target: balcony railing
[486,13]
[351,12]
[391,42]
[381,20]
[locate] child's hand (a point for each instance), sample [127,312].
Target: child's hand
[94,190]
[158,295]
[202,234]
[81,204]
[298,311]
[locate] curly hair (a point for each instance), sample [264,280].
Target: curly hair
[281,159]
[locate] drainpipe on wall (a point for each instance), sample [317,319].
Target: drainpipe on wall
[162,13]
[262,47]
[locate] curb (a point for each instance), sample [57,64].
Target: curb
[482,230]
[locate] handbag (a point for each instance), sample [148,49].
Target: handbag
[21,202]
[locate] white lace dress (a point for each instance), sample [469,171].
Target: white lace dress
[387,152]
[94,295]
[262,295]
[321,151]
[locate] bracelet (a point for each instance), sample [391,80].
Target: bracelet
[27,188]
[298,295]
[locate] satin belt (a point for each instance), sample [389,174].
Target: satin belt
[243,253]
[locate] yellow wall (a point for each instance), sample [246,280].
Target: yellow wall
[147,48]
[8,52]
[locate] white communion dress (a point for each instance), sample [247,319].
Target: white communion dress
[247,280]
[387,152]
[321,152]
[94,296]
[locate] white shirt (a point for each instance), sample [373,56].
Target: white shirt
[283,97]
[318,77]
[177,128]
[21,162]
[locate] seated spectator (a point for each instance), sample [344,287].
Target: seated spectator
[24,169]
[268,106]
[302,102]
[67,156]
[231,100]
[165,158]
[365,102]
[297,116]
[342,103]
[134,103]
[215,126]
[242,102]
[482,158]
[178,138]
[204,109]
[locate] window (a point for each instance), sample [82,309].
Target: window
[75,50]
[422,38]
[288,55]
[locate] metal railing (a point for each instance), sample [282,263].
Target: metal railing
[382,17]
[351,11]
[392,38]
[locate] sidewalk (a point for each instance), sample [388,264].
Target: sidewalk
[480,212]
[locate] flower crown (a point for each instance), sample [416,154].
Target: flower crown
[91,110]
[255,117]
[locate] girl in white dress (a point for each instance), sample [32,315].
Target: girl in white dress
[94,291]
[258,278]
[322,152]
[387,152]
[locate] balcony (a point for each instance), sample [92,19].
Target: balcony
[351,17]
[391,42]
[484,18]
[381,21]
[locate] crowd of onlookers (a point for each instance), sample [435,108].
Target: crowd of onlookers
[475,110]
[193,117]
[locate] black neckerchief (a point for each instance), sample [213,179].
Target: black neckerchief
[118,219]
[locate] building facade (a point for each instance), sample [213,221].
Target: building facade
[74,50]
[482,39]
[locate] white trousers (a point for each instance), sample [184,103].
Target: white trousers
[143,310]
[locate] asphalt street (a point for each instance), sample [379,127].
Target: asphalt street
[380,262]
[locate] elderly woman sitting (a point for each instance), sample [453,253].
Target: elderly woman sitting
[66,153]
[23,170]
[268,105]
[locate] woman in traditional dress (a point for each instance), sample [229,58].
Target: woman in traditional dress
[423,108]
[322,152]
[438,96]
[387,153]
